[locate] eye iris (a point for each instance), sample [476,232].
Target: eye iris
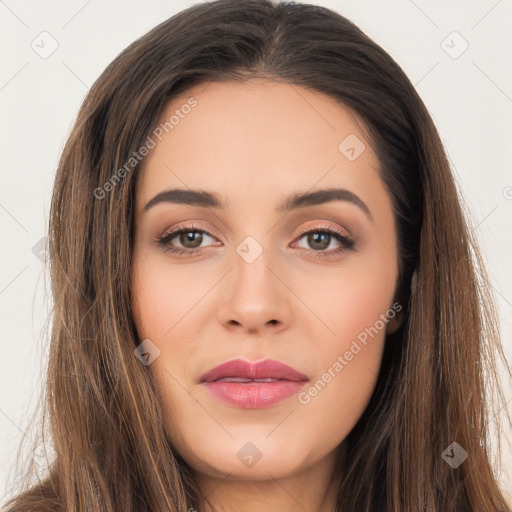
[313,238]
[190,236]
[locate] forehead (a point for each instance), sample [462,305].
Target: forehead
[246,137]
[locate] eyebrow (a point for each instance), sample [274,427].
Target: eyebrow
[298,200]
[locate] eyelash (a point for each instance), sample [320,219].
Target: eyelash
[347,242]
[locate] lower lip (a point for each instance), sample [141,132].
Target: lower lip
[254,395]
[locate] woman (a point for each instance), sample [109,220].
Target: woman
[266,294]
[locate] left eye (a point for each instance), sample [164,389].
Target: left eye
[321,240]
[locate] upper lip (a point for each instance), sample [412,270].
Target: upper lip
[269,368]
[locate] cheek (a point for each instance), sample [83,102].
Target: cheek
[163,297]
[350,300]
[354,305]
[348,363]
[168,310]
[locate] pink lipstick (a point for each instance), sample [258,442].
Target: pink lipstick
[253,385]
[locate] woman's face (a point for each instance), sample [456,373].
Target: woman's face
[272,266]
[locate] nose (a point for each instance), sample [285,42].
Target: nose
[255,298]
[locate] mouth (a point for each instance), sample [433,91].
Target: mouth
[240,379]
[253,385]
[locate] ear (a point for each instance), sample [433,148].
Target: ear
[394,323]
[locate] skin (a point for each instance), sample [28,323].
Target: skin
[254,144]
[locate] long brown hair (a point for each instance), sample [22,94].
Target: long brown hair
[439,369]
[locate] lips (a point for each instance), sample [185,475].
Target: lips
[246,371]
[253,385]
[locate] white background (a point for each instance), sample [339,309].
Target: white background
[469,97]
